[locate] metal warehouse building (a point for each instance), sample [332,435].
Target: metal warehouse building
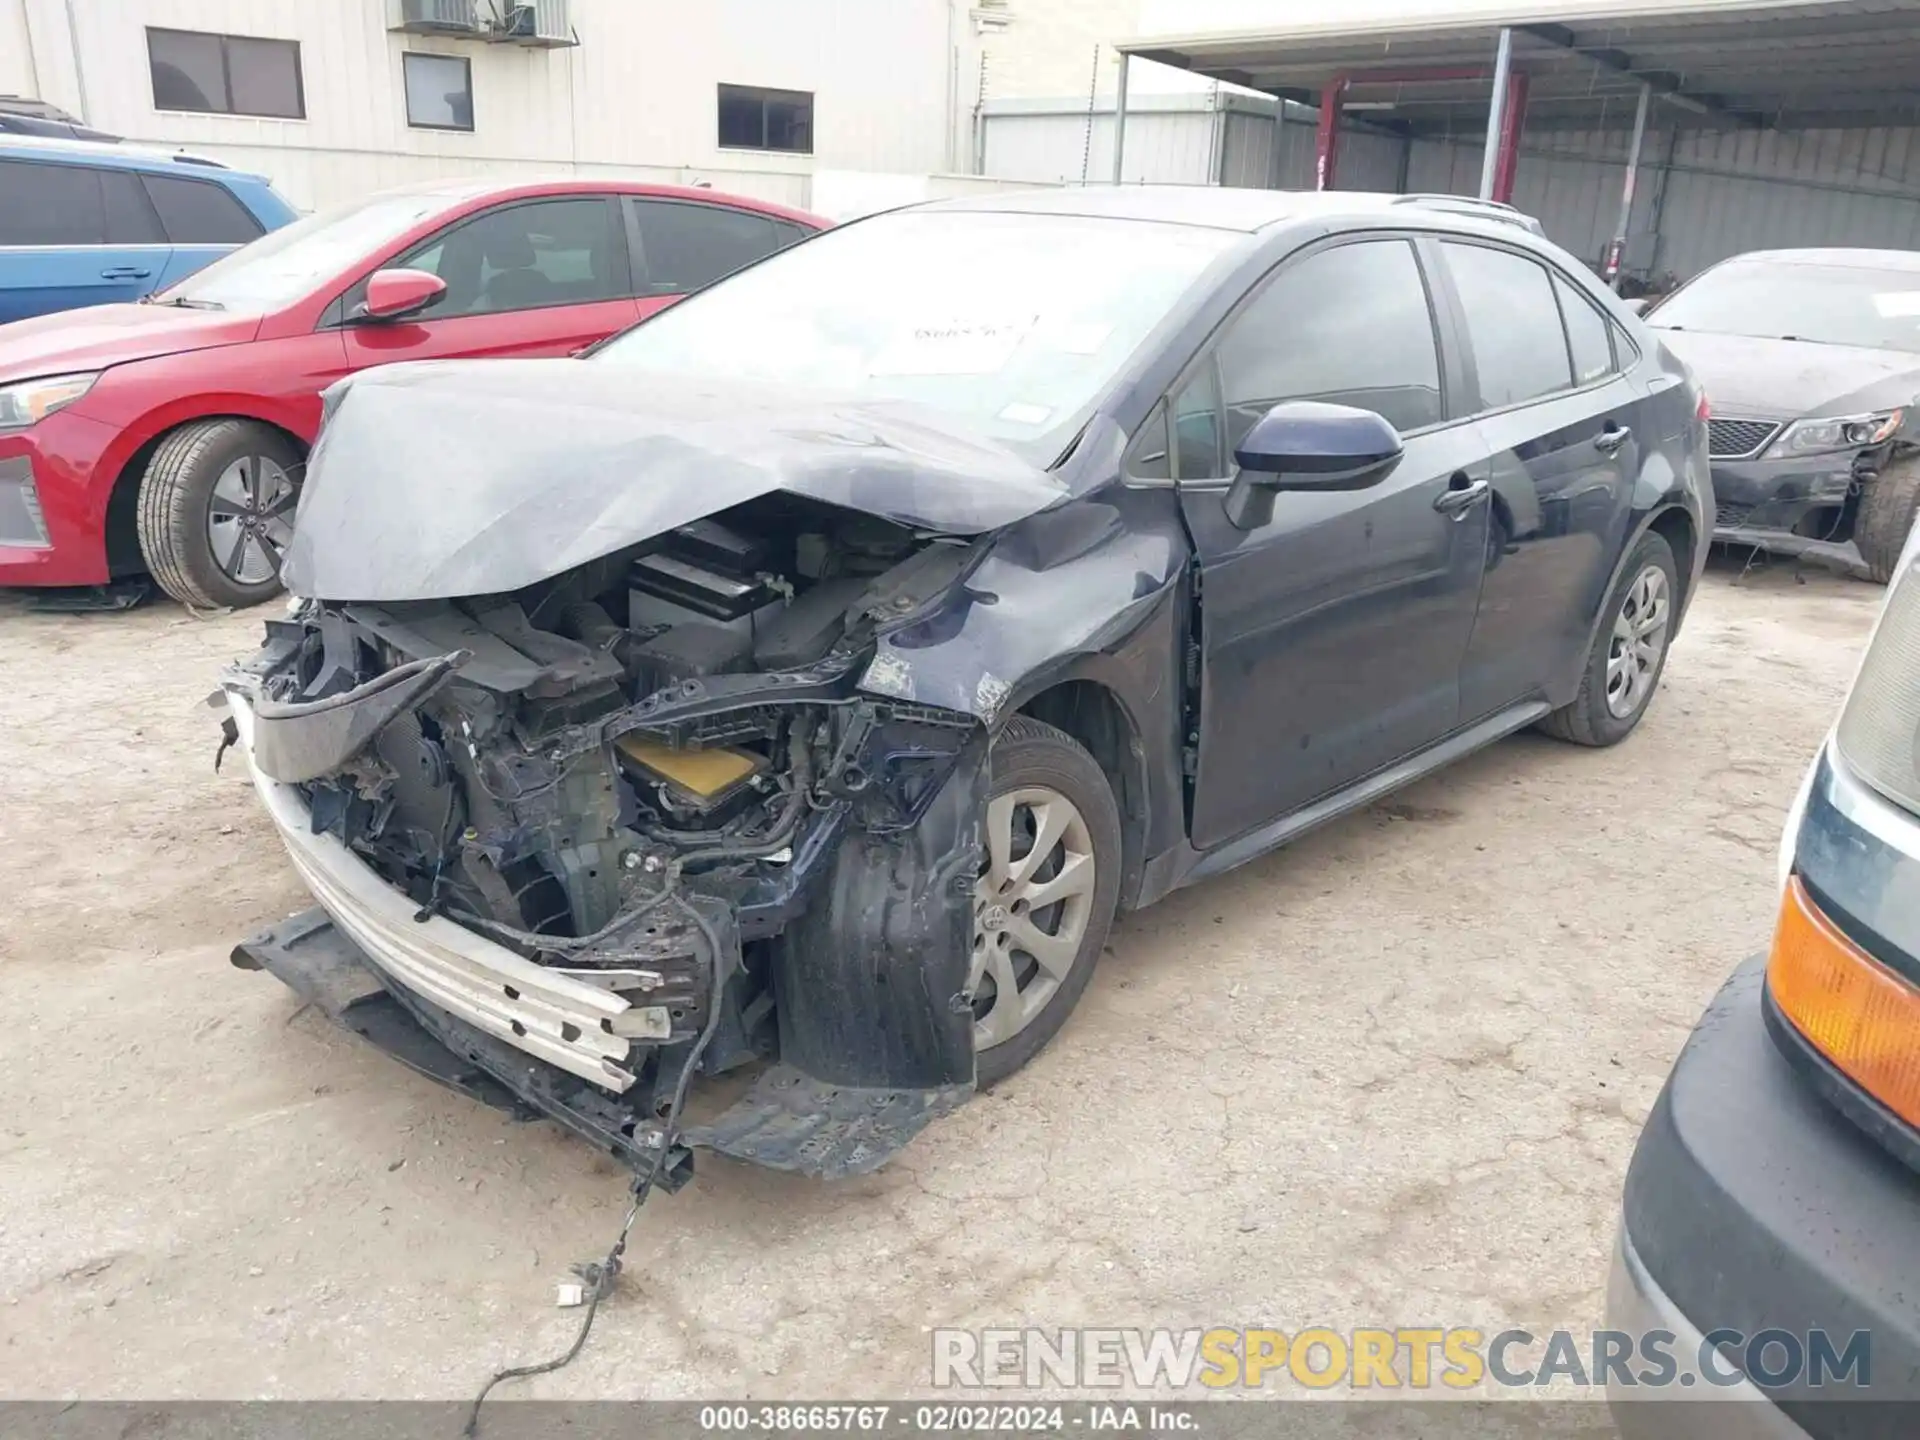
[1752,123]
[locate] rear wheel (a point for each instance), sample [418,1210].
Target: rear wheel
[216,511]
[1046,895]
[1886,516]
[1629,652]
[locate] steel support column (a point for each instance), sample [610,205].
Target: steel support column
[1120,117]
[1496,115]
[1614,267]
[1326,139]
[1512,121]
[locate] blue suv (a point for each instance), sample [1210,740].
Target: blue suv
[84,223]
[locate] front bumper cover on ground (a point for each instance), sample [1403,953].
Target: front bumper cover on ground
[786,1121]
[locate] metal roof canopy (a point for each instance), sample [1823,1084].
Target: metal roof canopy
[1748,63]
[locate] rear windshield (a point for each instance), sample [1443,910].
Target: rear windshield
[1830,304]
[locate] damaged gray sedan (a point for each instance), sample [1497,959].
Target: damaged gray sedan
[799,684]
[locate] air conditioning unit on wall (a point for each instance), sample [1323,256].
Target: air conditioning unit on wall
[538,24]
[434,17]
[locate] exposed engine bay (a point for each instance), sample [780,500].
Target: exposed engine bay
[680,716]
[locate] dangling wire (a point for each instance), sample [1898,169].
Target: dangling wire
[600,1276]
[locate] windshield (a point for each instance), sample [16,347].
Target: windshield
[280,267]
[1832,304]
[1015,323]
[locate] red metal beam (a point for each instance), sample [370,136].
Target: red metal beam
[1511,124]
[1326,138]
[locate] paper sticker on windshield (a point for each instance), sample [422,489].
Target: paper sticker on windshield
[955,347]
[1025,412]
[1898,304]
[1079,339]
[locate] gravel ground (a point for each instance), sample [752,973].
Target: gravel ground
[1390,1075]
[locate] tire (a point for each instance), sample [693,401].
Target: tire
[1601,714]
[177,511]
[1032,760]
[1886,516]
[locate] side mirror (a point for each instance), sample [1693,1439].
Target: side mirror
[1639,305]
[1307,445]
[396,294]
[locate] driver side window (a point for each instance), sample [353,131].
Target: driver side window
[522,257]
[1350,325]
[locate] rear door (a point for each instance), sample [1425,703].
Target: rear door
[73,236]
[202,221]
[681,245]
[532,278]
[1331,635]
[1564,428]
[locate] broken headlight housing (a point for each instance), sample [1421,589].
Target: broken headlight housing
[1879,731]
[1837,432]
[30,401]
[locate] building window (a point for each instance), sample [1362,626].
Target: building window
[754,119]
[439,91]
[225,74]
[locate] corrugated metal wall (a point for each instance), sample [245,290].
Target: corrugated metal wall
[1178,140]
[1713,193]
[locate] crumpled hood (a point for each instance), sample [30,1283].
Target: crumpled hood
[436,480]
[1786,379]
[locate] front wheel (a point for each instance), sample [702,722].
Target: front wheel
[1629,652]
[216,511]
[1887,511]
[1046,894]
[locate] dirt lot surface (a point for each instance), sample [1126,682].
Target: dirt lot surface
[1390,1075]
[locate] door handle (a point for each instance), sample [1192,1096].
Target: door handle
[1461,495]
[1611,438]
[124,272]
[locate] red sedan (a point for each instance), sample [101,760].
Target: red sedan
[169,437]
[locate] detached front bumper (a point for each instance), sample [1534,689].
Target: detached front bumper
[521,1036]
[1777,504]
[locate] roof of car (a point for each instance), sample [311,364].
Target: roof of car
[115,155]
[1223,207]
[469,187]
[1859,259]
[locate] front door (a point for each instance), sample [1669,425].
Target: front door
[1562,422]
[73,236]
[536,278]
[1332,635]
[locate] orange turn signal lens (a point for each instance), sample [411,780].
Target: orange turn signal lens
[1860,1015]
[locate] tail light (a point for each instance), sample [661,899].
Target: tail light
[1703,412]
[1859,1014]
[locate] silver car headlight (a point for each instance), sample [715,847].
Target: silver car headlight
[30,401]
[1879,731]
[1836,432]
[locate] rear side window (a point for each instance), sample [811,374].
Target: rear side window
[50,204]
[1350,325]
[198,212]
[688,245]
[1513,324]
[1589,334]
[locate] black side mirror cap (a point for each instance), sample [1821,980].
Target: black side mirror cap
[1308,445]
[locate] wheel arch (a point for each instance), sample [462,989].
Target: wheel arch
[1097,718]
[123,501]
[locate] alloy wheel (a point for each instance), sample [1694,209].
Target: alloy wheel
[250,519]
[1031,909]
[1639,640]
